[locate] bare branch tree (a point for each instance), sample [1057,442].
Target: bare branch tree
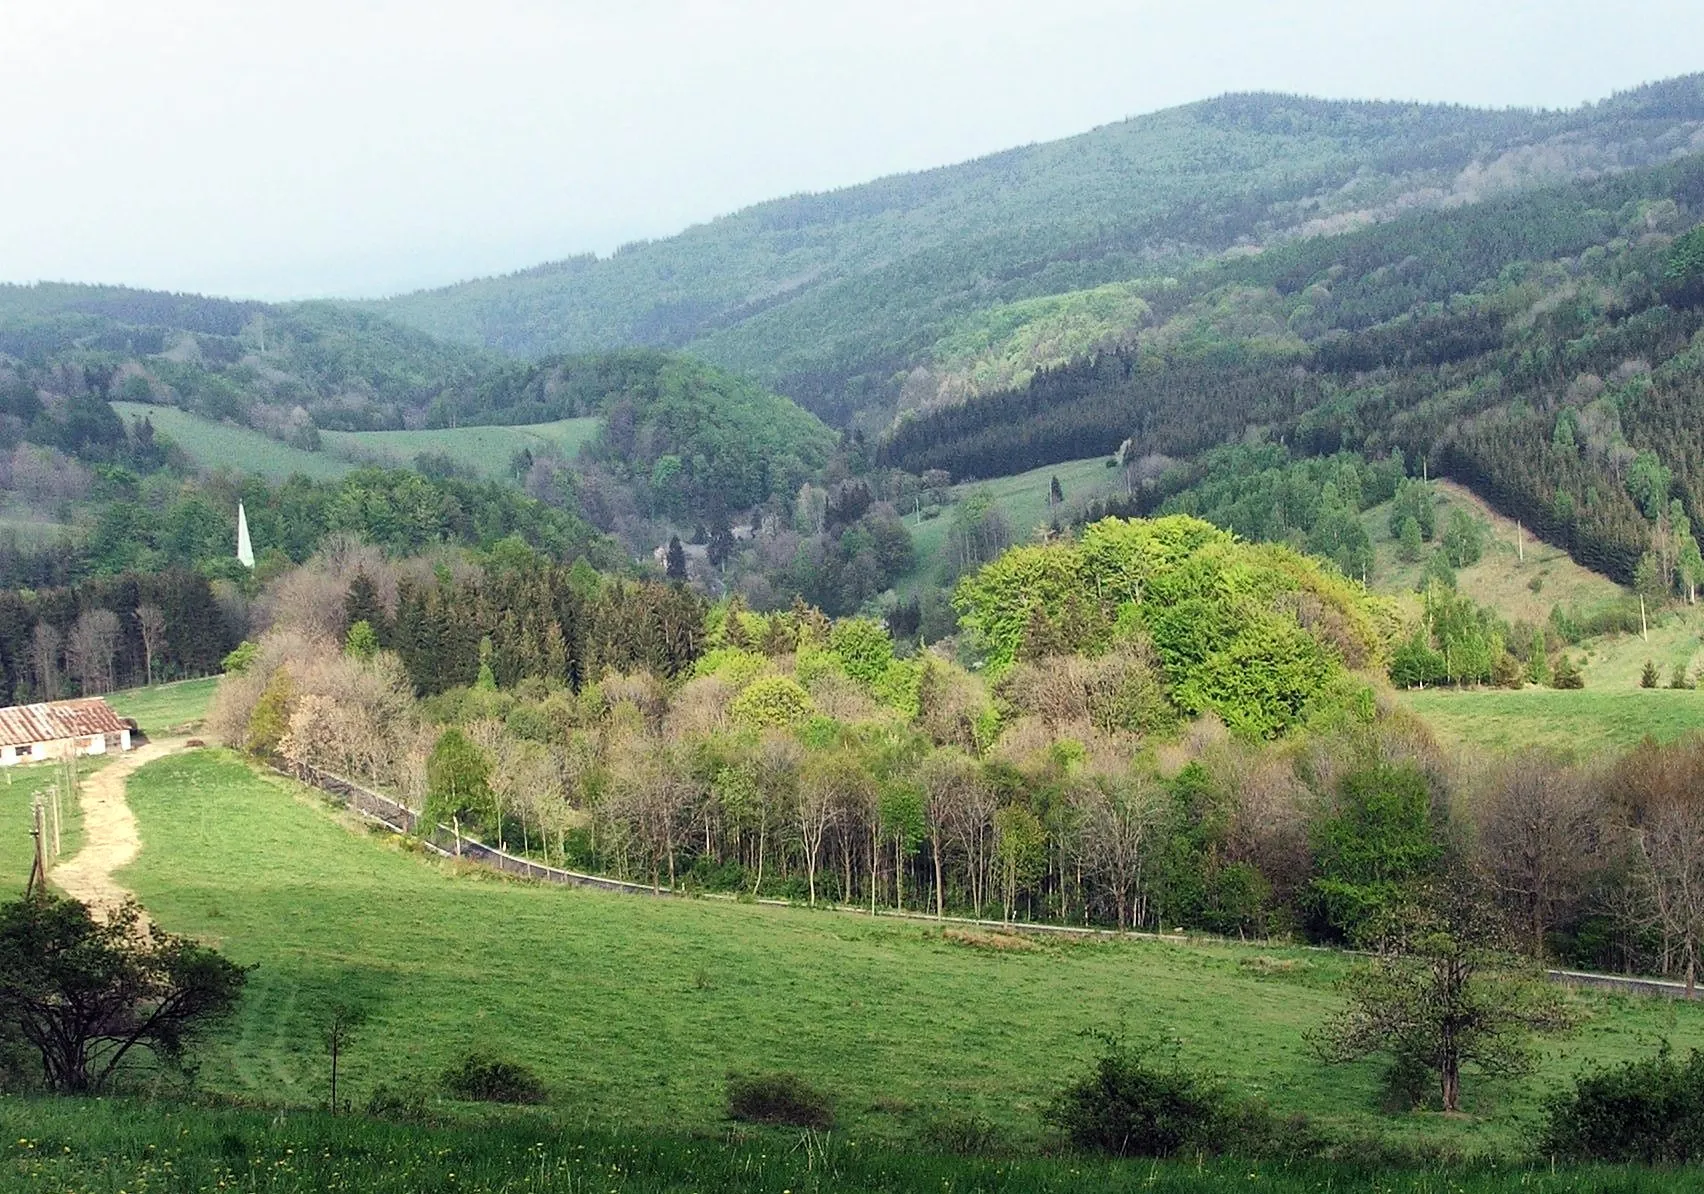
[948,780]
[1659,786]
[152,622]
[1541,836]
[1671,843]
[1119,827]
[45,643]
[817,807]
[92,647]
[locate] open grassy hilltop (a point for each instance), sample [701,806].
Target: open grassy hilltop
[635,1010]
[486,452]
[483,451]
[214,445]
[1518,575]
[167,709]
[1020,498]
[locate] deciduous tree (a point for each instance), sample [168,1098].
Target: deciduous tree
[1442,997]
[92,997]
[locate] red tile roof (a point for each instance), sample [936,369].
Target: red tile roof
[21,725]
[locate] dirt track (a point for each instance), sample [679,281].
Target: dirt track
[110,837]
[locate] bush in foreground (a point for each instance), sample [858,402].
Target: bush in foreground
[1134,1104]
[784,1099]
[1650,1110]
[478,1078]
[92,997]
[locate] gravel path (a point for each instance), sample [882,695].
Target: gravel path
[110,838]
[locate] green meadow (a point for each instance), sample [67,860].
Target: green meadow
[18,787]
[167,709]
[1584,721]
[634,1010]
[485,451]
[214,445]
[1022,498]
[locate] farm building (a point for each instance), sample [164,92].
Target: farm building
[29,733]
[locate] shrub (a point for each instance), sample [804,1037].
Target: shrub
[1567,674]
[479,1078]
[1648,677]
[1134,1104]
[961,1134]
[1650,1110]
[391,1102]
[785,1099]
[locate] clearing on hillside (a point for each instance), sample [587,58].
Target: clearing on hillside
[1022,498]
[1520,583]
[213,445]
[484,451]
[1581,722]
[174,708]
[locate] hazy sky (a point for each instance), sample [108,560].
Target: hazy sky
[359,147]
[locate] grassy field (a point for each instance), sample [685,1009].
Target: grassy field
[485,451]
[634,1010]
[1022,498]
[18,786]
[1584,721]
[1612,712]
[214,445]
[117,1145]
[1614,662]
[167,708]
[1504,578]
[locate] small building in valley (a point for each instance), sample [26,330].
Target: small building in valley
[33,733]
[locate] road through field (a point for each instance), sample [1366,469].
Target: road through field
[110,838]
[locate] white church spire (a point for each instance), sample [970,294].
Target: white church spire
[245,549]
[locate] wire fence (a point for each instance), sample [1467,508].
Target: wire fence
[446,841]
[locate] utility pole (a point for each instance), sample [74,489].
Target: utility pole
[1520,543]
[1644,626]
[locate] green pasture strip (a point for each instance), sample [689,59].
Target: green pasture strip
[634,1010]
[214,445]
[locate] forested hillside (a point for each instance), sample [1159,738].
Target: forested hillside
[1360,294]
[1541,348]
[832,296]
[676,441]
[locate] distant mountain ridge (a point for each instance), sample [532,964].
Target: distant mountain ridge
[830,297]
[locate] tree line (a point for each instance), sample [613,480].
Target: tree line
[113,632]
[1092,776]
[151,523]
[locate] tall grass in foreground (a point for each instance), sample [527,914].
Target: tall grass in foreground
[119,1145]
